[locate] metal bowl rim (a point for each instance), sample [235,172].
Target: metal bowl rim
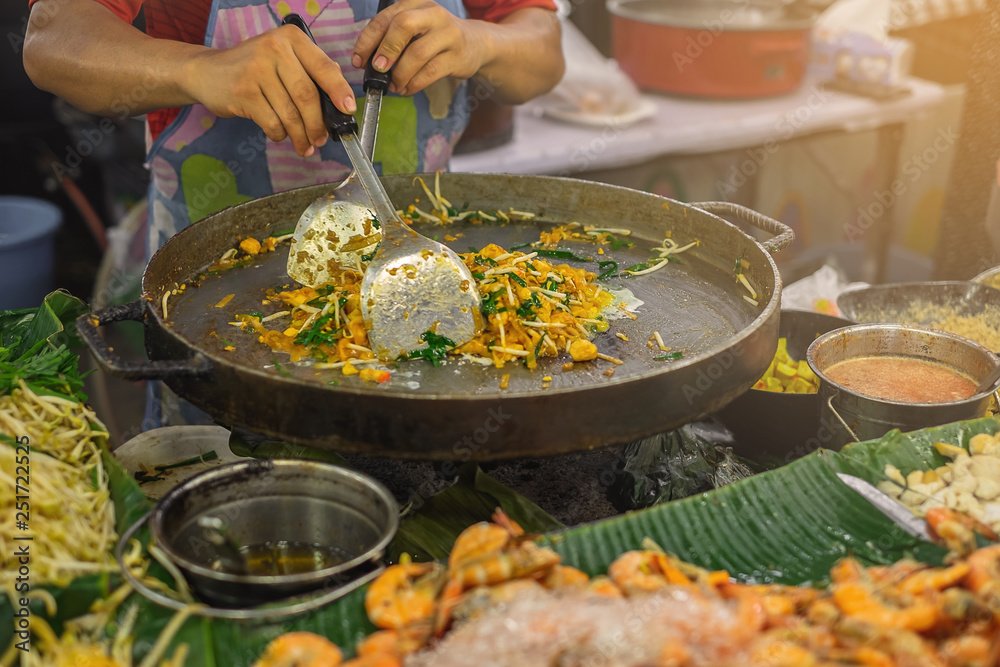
[258,466]
[885,287]
[797,311]
[981,278]
[625,9]
[934,333]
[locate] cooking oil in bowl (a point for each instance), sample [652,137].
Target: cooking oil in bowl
[281,557]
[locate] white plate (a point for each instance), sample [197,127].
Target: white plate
[645,109]
[173,444]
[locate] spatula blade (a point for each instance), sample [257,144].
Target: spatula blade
[891,508]
[332,234]
[413,294]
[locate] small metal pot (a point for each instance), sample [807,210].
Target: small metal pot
[295,501]
[712,48]
[775,428]
[865,418]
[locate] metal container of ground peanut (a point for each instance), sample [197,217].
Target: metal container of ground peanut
[968,309]
[863,417]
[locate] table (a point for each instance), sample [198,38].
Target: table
[686,126]
[683,126]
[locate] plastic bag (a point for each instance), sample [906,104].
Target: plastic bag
[696,457]
[818,292]
[593,87]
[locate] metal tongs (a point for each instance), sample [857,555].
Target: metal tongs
[413,287]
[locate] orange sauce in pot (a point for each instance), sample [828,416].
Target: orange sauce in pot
[902,379]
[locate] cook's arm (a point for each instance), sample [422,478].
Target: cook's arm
[81,51]
[519,57]
[527,57]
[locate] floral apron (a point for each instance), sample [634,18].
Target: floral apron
[201,164]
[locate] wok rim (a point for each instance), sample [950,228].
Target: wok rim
[750,329]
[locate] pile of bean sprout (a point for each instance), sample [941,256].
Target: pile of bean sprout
[72,526]
[72,518]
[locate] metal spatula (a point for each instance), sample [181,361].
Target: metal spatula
[890,507]
[336,229]
[413,285]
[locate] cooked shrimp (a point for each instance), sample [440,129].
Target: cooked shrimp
[957,530]
[477,541]
[374,660]
[781,653]
[404,594]
[527,559]
[605,587]
[300,649]
[971,650]
[399,642]
[984,568]
[564,576]
[644,572]
[857,600]
[483,539]
[984,577]
[777,601]
[934,579]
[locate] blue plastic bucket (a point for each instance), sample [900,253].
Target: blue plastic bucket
[27,250]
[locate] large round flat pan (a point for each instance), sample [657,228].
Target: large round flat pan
[458,411]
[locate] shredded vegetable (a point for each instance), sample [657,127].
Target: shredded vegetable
[661,257]
[530,307]
[51,440]
[534,303]
[72,519]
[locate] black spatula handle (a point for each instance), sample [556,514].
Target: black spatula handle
[337,122]
[375,80]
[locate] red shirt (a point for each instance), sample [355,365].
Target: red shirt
[187,20]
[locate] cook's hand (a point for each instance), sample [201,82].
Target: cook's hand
[270,80]
[442,45]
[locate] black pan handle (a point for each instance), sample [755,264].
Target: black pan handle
[783,234]
[89,325]
[337,122]
[375,80]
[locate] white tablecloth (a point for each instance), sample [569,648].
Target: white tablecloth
[684,126]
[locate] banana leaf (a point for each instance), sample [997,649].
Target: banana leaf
[243,443]
[428,532]
[788,525]
[36,347]
[911,451]
[53,322]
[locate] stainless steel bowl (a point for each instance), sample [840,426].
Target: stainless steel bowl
[893,303]
[989,277]
[274,501]
[775,428]
[863,417]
